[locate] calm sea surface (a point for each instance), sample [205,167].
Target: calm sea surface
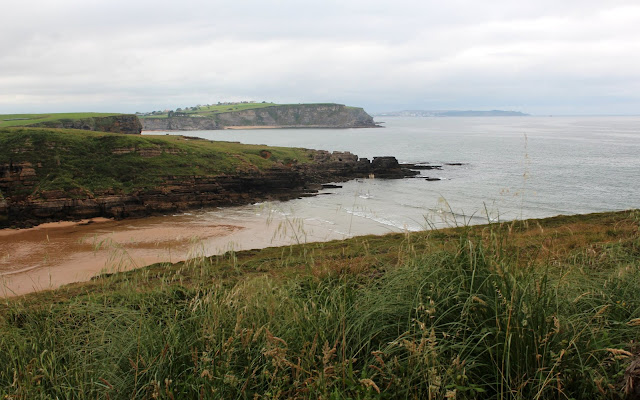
[513,167]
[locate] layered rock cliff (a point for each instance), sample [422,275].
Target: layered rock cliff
[180,124]
[179,193]
[38,183]
[280,116]
[125,123]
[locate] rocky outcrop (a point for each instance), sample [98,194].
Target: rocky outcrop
[281,116]
[179,193]
[180,124]
[125,123]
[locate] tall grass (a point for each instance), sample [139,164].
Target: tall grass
[477,318]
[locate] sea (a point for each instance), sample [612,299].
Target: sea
[492,169]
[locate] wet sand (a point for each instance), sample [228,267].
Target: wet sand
[54,254]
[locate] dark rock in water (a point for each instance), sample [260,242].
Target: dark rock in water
[432,179]
[331,186]
[455,164]
[421,166]
[388,167]
[382,163]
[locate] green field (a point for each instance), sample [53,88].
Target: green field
[7,120]
[541,309]
[215,109]
[212,110]
[83,161]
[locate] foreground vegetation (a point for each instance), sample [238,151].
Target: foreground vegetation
[7,120]
[85,161]
[524,310]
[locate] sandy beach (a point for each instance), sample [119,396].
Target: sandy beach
[54,254]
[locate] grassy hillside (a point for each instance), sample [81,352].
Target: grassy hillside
[7,120]
[90,161]
[327,115]
[541,309]
[211,110]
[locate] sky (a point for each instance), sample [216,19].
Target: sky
[557,57]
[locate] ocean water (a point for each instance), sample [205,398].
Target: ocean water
[512,168]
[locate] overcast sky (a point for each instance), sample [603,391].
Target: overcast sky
[541,57]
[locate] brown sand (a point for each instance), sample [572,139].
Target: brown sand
[51,255]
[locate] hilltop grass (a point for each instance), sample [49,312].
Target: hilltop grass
[209,111]
[212,110]
[217,109]
[85,161]
[541,309]
[7,120]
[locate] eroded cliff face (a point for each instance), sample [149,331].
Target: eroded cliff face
[179,193]
[283,116]
[128,124]
[180,124]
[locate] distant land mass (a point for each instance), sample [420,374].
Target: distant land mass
[99,122]
[253,115]
[227,115]
[451,113]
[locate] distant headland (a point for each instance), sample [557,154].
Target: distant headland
[451,113]
[227,115]
[86,121]
[254,115]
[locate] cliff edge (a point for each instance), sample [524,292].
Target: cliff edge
[276,116]
[54,174]
[125,123]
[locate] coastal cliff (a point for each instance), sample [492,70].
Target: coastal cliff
[276,116]
[125,123]
[50,175]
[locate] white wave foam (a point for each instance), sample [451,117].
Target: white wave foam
[384,221]
[323,221]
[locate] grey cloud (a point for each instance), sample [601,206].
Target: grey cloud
[136,55]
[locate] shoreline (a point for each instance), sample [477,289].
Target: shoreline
[52,255]
[180,174]
[4,232]
[256,127]
[183,193]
